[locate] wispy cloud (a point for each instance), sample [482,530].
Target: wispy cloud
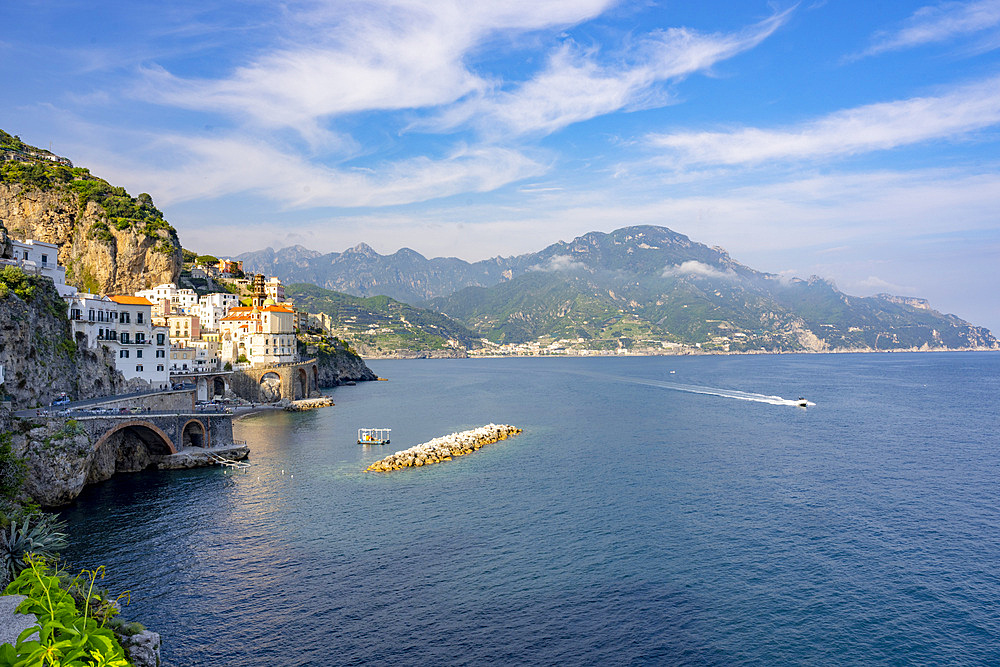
[362,56]
[876,284]
[863,129]
[212,168]
[697,269]
[559,263]
[939,23]
[578,84]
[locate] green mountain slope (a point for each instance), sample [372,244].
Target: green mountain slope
[380,326]
[643,287]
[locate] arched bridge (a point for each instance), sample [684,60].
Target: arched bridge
[293,381]
[164,433]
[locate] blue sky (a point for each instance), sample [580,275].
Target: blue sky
[852,140]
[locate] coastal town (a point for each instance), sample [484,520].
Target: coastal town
[163,337]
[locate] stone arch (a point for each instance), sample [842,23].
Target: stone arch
[301,384]
[218,386]
[315,378]
[150,435]
[270,387]
[194,434]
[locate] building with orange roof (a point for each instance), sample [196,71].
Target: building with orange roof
[262,334]
[124,325]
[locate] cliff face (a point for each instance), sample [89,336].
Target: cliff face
[99,257]
[37,350]
[337,362]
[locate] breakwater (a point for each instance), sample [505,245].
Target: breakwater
[444,448]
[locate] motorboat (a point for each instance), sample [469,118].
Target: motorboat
[801,402]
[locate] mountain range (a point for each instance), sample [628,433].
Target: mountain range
[638,288]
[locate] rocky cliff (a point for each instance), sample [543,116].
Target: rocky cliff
[338,363]
[98,257]
[37,350]
[109,241]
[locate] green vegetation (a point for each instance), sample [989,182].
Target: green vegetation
[37,168]
[206,259]
[67,636]
[380,324]
[12,472]
[41,535]
[31,289]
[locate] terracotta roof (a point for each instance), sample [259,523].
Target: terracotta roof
[278,309]
[131,300]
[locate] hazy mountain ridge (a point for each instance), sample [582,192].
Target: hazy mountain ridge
[405,275]
[641,288]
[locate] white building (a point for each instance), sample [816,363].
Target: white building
[212,308]
[192,359]
[274,290]
[40,258]
[123,324]
[263,335]
[180,299]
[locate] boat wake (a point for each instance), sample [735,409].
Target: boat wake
[714,391]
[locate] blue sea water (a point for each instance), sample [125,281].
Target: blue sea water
[633,522]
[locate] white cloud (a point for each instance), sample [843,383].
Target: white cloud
[876,284]
[559,263]
[697,269]
[574,86]
[213,168]
[939,23]
[863,129]
[345,57]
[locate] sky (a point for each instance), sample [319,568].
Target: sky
[853,140]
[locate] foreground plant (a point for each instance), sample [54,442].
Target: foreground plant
[39,534]
[66,637]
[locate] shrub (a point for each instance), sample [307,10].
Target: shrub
[66,635]
[12,469]
[22,539]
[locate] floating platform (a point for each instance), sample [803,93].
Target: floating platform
[373,436]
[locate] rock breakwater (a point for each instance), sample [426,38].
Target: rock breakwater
[444,448]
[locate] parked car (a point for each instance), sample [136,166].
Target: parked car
[61,399]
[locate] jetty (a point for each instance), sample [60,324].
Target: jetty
[444,448]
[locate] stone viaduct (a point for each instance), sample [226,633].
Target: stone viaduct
[164,433]
[292,381]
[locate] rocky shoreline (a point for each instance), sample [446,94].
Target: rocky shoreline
[444,448]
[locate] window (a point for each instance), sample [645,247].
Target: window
[124,337]
[159,367]
[160,354]
[138,318]
[138,354]
[138,368]
[159,338]
[123,354]
[90,315]
[124,317]
[45,259]
[140,338]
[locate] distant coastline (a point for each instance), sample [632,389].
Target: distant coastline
[654,353]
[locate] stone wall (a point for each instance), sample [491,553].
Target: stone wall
[173,401]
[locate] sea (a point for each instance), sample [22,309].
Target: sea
[655,511]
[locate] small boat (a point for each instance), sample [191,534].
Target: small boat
[373,436]
[801,402]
